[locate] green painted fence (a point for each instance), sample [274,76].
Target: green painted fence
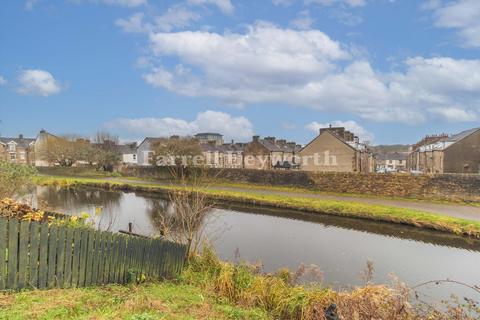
[38,256]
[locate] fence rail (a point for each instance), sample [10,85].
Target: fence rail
[42,256]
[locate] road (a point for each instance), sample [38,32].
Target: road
[445,209]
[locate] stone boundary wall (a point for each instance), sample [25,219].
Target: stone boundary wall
[441,187]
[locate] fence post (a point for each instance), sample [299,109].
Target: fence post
[3,250]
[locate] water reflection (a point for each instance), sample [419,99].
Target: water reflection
[340,246]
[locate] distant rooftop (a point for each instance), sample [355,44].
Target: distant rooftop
[208,134]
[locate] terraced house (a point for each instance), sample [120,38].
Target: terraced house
[270,153]
[337,150]
[458,153]
[18,150]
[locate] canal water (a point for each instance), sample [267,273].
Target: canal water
[340,247]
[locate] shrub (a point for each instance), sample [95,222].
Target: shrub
[15,179]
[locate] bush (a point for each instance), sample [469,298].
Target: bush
[15,179]
[282,298]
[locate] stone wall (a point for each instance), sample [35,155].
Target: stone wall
[446,186]
[452,187]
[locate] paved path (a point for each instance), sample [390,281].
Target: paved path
[446,209]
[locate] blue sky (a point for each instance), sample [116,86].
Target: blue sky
[392,71]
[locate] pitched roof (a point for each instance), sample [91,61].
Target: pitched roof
[226,147]
[392,156]
[446,142]
[269,145]
[126,148]
[150,140]
[462,135]
[208,134]
[21,142]
[334,135]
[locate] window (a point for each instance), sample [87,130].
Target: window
[22,155]
[11,146]
[13,156]
[134,157]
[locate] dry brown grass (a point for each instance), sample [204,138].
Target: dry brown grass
[284,299]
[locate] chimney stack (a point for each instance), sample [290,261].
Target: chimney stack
[255,138]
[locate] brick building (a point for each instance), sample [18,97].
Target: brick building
[18,150]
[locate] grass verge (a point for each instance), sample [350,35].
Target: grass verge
[339,208]
[143,302]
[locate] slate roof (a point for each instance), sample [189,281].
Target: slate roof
[446,142]
[126,148]
[208,134]
[226,147]
[392,156]
[462,135]
[21,142]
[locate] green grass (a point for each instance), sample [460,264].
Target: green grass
[339,208]
[144,302]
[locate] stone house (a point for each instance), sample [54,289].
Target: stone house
[338,150]
[459,153]
[18,150]
[391,161]
[270,153]
[209,137]
[227,155]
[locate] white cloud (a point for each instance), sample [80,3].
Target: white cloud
[134,24]
[225,6]
[37,82]
[347,18]
[455,114]
[283,3]
[3,81]
[267,64]
[176,17]
[121,3]
[462,15]
[350,125]
[303,21]
[29,4]
[208,121]
[351,3]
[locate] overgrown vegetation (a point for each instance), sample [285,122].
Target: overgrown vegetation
[211,289]
[284,298]
[339,208]
[15,179]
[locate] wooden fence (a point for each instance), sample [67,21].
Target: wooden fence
[36,255]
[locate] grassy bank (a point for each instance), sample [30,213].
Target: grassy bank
[339,208]
[211,289]
[144,302]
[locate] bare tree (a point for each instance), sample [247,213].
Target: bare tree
[188,213]
[64,151]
